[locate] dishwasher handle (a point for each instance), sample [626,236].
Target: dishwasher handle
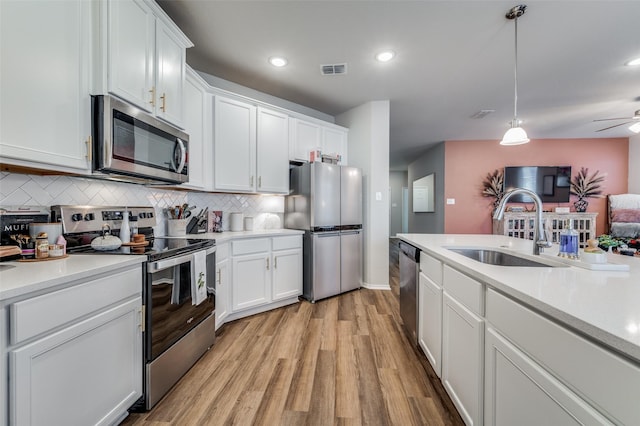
[410,251]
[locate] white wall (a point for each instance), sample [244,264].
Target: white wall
[634,164]
[397,180]
[368,148]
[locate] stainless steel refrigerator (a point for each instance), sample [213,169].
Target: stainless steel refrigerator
[326,202]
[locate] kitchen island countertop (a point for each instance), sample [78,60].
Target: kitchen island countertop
[604,306]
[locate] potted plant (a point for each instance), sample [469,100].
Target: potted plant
[584,186]
[492,187]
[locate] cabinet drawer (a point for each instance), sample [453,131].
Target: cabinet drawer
[609,382]
[431,267]
[289,242]
[257,245]
[222,252]
[466,290]
[39,314]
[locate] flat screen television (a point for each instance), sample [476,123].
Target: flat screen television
[551,183]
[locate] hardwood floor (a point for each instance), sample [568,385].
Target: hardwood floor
[340,361]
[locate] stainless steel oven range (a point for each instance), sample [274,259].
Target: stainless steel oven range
[177,332]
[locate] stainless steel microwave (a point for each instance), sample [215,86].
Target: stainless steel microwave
[129,144]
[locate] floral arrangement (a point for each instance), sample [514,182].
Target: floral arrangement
[492,186]
[584,185]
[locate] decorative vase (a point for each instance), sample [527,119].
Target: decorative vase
[581,205]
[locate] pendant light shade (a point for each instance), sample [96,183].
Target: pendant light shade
[516,134]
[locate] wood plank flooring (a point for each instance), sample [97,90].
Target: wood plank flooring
[340,361]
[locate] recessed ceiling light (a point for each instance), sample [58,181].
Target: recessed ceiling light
[385,56]
[633,62]
[277,61]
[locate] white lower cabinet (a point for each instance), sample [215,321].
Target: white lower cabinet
[251,281]
[266,274]
[462,358]
[223,284]
[430,321]
[287,274]
[83,366]
[520,392]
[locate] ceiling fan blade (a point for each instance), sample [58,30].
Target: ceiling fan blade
[611,127]
[608,119]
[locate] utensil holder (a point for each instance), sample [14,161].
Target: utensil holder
[177,227]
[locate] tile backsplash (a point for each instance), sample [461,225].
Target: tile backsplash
[20,190]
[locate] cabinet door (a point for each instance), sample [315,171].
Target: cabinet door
[170,75]
[272,152]
[251,281]
[234,145]
[287,274]
[519,391]
[95,364]
[198,125]
[223,283]
[304,137]
[430,321]
[334,141]
[45,57]
[462,359]
[131,35]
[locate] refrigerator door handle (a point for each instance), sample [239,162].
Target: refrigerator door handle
[349,232]
[326,234]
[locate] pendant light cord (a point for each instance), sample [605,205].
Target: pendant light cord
[515,79]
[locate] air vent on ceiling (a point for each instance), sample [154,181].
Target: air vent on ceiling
[333,69]
[483,113]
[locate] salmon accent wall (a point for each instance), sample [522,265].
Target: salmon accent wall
[468,162]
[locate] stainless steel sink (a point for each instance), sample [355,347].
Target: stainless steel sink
[494,257]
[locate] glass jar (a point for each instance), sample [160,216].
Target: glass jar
[42,246]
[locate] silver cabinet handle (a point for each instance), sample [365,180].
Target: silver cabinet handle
[275,262]
[267,263]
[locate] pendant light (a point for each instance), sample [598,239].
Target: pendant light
[516,134]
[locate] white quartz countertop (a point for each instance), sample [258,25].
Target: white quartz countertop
[223,237]
[20,278]
[603,305]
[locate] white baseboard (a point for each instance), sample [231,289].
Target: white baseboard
[371,286]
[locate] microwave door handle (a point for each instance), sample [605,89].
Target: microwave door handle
[183,155]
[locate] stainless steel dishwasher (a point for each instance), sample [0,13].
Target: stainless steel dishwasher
[409,263]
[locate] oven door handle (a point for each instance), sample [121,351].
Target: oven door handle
[168,263]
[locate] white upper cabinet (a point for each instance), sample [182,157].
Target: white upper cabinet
[234,145]
[198,125]
[250,148]
[146,58]
[307,136]
[45,69]
[334,142]
[304,138]
[272,148]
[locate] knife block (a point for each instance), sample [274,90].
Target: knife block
[194,228]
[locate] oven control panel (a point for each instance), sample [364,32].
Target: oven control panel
[77,219]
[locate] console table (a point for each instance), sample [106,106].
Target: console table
[522,225]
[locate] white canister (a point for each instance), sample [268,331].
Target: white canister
[248,223]
[235,222]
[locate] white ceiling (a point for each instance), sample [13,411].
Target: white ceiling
[454,58]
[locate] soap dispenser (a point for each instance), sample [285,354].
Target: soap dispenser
[569,241]
[125,229]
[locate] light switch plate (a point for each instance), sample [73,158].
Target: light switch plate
[451,200]
[378,196]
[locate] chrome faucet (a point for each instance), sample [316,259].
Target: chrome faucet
[540,238]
